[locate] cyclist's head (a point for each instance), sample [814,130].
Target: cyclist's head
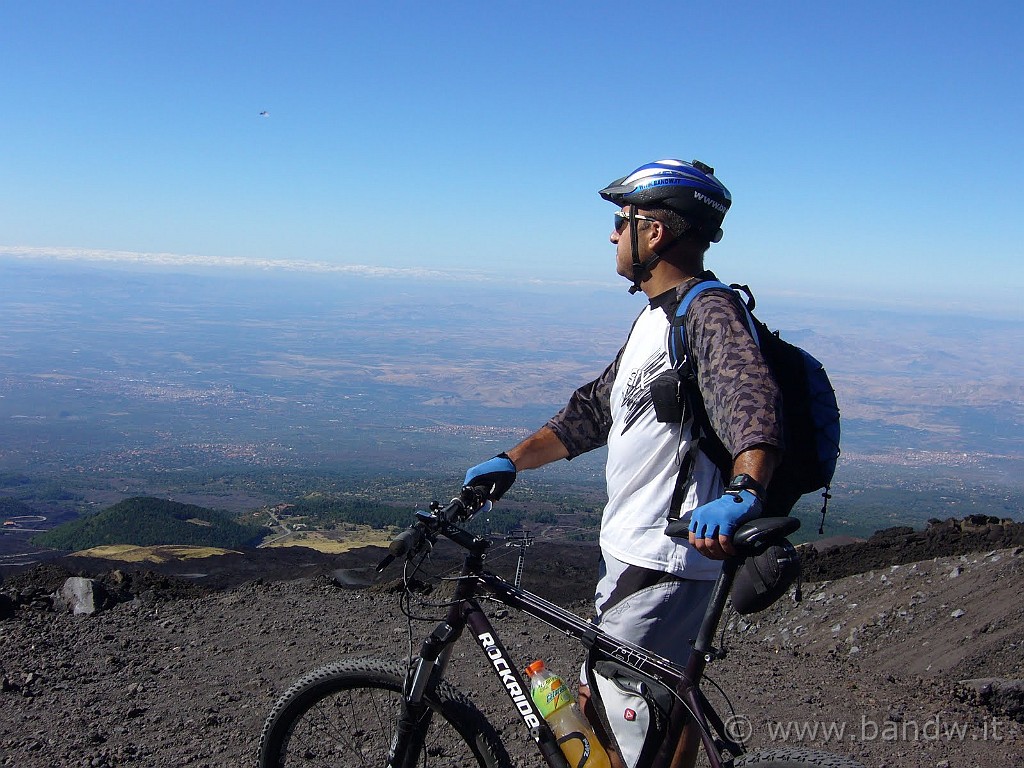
[688,190]
[685,197]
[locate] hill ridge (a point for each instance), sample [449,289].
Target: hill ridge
[150,521]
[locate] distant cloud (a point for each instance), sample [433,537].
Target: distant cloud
[230,262]
[177,260]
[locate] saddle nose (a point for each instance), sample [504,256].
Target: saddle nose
[755,537]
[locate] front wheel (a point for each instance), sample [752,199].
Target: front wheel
[793,757]
[344,715]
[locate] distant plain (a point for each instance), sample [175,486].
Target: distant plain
[239,389]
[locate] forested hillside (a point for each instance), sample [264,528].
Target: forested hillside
[146,521]
[14,508]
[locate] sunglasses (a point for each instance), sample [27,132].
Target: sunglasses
[622,219]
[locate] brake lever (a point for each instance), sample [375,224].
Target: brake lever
[475,499]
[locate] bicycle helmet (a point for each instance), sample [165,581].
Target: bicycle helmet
[689,189]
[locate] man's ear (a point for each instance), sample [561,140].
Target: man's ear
[658,236]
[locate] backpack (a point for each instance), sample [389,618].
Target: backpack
[810,414]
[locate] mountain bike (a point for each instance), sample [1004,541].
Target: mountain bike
[360,712]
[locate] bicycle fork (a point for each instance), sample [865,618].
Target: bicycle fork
[428,669]
[424,673]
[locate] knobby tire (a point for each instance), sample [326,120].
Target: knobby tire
[344,715]
[793,757]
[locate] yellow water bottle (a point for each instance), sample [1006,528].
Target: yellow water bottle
[575,736]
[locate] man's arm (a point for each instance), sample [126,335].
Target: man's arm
[540,448]
[742,401]
[580,426]
[497,475]
[759,463]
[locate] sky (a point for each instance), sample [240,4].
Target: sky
[874,150]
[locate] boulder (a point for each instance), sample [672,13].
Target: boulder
[1003,696]
[80,596]
[7,606]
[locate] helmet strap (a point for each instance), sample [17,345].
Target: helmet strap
[641,269]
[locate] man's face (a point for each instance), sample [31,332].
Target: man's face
[620,236]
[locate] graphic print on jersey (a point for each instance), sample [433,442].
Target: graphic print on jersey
[636,395]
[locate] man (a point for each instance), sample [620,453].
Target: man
[653,589]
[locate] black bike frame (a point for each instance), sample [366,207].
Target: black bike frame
[429,666]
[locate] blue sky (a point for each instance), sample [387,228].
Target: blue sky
[872,149]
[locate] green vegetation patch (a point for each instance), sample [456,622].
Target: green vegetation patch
[323,510]
[331,510]
[145,521]
[14,508]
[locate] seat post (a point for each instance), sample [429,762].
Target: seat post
[702,646]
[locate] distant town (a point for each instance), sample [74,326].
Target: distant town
[255,394]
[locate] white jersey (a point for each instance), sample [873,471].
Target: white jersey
[644,458]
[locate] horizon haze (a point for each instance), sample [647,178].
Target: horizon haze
[116,381]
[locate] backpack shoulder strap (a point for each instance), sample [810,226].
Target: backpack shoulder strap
[678,350]
[679,355]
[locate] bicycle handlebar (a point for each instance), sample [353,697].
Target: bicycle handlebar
[408,540]
[440,520]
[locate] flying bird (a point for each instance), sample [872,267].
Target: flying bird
[264,113]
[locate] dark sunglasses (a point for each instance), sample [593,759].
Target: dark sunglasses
[622,219]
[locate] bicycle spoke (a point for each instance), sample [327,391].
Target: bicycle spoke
[352,725]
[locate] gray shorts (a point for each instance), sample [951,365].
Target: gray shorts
[657,611]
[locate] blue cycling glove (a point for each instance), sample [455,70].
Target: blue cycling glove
[495,475]
[724,515]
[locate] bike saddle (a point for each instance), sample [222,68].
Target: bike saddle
[755,537]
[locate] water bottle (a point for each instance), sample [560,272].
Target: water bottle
[571,728]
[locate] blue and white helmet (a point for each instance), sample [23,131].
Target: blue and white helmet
[689,189]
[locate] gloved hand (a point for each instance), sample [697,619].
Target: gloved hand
[495,475]
[720,517]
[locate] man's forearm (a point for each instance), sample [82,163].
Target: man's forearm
[540,448]
[757,462]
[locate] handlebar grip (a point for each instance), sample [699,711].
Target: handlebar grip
[474,496]
[407,541]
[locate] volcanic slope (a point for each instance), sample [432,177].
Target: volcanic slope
[175,674]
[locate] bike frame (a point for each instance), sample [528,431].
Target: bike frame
[428,667]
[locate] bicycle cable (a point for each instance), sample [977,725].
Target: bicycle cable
[722,652]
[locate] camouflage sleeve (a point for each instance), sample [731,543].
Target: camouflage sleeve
[583,424]
[739,391]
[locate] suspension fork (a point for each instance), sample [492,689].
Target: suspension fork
[426,670]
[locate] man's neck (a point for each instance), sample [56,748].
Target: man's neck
[666,276]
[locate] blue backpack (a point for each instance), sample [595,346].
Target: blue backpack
[810,413]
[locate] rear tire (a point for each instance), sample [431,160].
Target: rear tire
[344,715]
[793,757]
